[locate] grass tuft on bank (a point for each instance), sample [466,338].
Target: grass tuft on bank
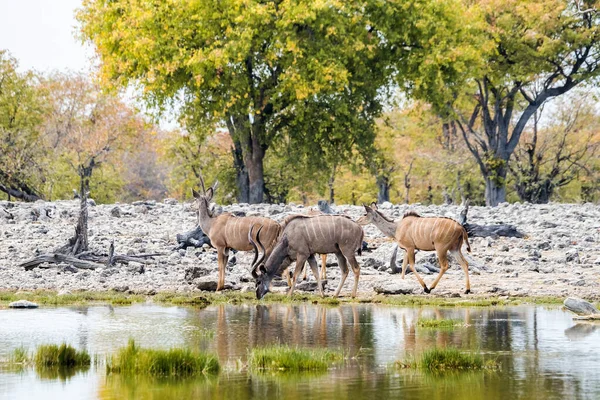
[448,359]
[175,362]
[285,358]
[52,355]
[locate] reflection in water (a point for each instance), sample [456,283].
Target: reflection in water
[60,373]
[535,347]
[581,330]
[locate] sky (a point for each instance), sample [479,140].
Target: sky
[41,35]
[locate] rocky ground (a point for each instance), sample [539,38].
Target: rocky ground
[560,256]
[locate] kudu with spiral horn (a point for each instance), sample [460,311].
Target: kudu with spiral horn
[301,238]
[227,231]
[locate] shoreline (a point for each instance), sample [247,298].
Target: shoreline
[48,298]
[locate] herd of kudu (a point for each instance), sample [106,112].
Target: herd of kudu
[299,237]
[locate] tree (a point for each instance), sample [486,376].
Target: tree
[554,155]
[530,51]
[264,70]
[21,108]
[86,128]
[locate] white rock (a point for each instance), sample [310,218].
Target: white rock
[23,304]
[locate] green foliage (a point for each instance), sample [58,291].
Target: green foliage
[310,74]
[284,358]
[200,152]
[133,360]
[52,355]
[21,111]
[520,54]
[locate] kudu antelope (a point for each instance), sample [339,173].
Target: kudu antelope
[414,232]
[301,237]
[227,231]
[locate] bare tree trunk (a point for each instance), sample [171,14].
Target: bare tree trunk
[494,193]
[331,186]
[256,178]
[383,186]
[242,181]
[407,184]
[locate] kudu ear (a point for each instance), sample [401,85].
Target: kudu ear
[374,205]
[195,194]
[209,193]
[262,269]
[367,208]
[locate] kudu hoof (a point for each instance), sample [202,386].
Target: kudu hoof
[467,291]
[426,289]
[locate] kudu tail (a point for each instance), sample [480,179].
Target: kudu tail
[466,239]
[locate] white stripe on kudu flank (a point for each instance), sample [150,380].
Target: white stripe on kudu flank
[321,228]
[437,221]
[312,225]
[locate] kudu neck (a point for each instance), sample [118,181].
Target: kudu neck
[204,218]
[388,228]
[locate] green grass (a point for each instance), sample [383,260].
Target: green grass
[46,297]
[284,358]
[449,359]
[51,298]
[408,300]
[133,360]
[51,355]
[438,323]
[19,356]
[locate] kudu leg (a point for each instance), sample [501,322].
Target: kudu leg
[323,266]
[288,276]
[344,268]
[465,266]
[305,275]
[300,261]
[443,259]
[222,256]
[356,269]
[315,269]
[410,254]
[404,264]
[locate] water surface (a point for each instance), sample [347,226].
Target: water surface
[542,351]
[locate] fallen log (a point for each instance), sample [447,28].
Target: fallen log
[56,258]
[584,310]
[474,230]
[84,261]
[76,253]
[193,238]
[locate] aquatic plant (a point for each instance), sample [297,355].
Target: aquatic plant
[449,359]
[61,356]
[174,362]
[438,323]
[285,358]
[19,356]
